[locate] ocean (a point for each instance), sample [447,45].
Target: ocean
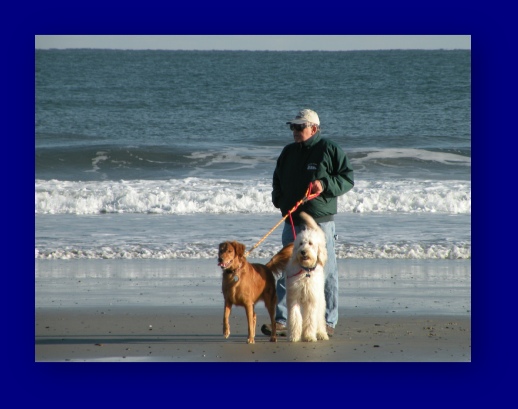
[164,154]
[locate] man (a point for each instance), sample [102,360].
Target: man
[320,162]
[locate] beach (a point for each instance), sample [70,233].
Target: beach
[195,335]
[171,311]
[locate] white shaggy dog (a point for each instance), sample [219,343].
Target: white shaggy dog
[305,284]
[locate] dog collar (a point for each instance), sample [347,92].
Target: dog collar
[235,277]
[306,269]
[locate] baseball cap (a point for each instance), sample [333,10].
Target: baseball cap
[304,116]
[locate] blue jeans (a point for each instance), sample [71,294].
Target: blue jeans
[330,271]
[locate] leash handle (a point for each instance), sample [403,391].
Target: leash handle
[310,196]
[305,199]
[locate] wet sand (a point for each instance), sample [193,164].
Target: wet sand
[179,334]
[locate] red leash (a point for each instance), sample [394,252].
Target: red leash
[306,198]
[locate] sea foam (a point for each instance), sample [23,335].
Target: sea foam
[418,251]
[195,195]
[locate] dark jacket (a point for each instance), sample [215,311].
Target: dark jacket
[301,163]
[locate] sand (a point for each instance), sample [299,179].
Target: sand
[172,311]
[131,334]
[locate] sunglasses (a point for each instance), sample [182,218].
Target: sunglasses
[299,128]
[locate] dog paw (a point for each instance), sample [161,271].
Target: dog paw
[250,341]
[309,339]
[273,339]
[226,333]
[323,337]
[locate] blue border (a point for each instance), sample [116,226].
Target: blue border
[493,106]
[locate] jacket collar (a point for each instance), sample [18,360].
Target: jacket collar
[311,141]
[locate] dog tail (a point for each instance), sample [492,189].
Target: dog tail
[279,262]
[309,221]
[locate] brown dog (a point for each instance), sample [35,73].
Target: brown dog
[246,283]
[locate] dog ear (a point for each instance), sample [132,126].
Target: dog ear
[322,254]
[240,248]
[223,246]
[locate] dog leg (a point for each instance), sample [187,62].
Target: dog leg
[322,332]
[309,323]
[254,325]
[270,306]
[273,337]
[226,325]
[250,315]
[294,323]
[321,323]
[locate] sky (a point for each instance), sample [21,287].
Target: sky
[255,42]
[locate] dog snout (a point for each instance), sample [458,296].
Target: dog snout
[303,252]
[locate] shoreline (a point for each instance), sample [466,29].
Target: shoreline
[162,334]
[102,310]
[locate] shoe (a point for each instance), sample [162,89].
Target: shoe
[330,331]
[266,329]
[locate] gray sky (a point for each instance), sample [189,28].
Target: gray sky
[256,42]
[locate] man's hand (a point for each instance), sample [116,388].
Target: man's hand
[316,187]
